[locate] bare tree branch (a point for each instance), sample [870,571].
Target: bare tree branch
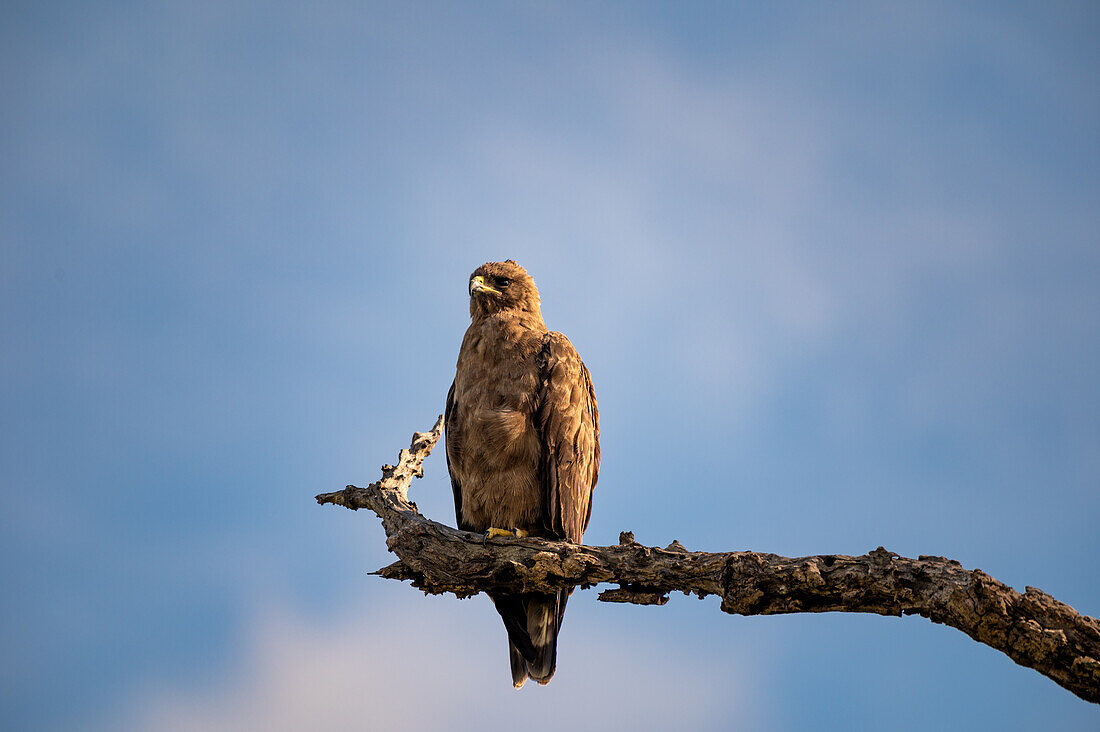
[1033,629]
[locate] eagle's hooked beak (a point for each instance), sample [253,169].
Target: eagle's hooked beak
[477,284]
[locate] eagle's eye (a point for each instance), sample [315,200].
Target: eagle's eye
[503,281]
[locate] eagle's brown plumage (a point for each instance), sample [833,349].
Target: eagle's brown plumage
[523,443]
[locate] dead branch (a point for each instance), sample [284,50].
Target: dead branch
[1033,629]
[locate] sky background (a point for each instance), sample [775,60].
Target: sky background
[834,267]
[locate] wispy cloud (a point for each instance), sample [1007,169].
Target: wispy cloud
[434,667]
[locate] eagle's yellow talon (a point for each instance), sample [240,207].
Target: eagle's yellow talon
[510,533]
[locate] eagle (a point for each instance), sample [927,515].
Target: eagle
[523,445]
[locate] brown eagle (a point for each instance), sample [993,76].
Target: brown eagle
[523,444]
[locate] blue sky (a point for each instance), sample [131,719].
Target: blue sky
[834,269]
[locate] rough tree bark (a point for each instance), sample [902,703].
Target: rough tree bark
[1033,629]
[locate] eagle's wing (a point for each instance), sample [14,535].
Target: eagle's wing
[569,425]
[452,444]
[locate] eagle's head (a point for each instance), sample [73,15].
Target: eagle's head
[499,286]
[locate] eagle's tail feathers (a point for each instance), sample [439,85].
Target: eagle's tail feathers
[544,614]
[518,664]
[514,616]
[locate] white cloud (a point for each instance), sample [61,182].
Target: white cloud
[429,664]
